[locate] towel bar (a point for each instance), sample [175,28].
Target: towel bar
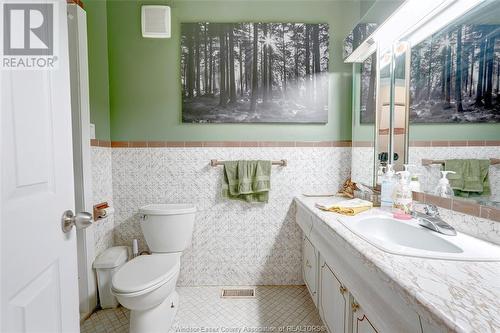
[282,163]
[425,162]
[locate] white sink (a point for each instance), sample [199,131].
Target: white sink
[410,239]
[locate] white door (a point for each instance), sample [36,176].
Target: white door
[39,288]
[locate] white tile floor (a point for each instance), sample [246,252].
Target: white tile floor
[202,308]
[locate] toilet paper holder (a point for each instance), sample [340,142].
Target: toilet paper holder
[100,211]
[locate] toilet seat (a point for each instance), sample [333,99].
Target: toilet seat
[145,273]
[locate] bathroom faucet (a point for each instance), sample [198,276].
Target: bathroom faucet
[431,220]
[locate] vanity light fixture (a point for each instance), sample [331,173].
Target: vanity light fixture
[442,19]
[407,18]
[155,21]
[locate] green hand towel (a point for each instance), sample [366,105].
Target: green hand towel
[248,181]
[471,178]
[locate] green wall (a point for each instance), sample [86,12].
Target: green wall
[98,67]
[144,74]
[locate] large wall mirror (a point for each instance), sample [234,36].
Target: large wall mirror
[455,106]
[437,100]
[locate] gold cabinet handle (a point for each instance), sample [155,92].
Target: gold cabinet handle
[354,306]
[342,289]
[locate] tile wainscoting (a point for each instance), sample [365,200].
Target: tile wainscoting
[234,243]
[102,190]
[479,227]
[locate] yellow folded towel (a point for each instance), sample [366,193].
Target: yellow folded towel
[347,207]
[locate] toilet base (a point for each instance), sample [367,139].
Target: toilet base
[157,319]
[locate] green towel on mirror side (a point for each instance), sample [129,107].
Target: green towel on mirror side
[248,181]
[471,178]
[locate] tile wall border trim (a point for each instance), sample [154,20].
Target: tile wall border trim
[339,143]
[456,143]
[211,144]
[100,143]
[460,206]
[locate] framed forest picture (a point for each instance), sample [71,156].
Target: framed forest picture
[455,76]
[254,72]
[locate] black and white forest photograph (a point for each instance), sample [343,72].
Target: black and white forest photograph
[455,76]
[254,72]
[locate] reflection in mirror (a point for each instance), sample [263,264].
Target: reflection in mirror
[455,106]
[383,113]
[357,36]
[363,127]
[400,104]
[392,109]
[358,45]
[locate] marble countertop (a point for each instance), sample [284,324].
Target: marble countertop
[459,296]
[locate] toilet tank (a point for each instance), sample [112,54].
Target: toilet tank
[167,228]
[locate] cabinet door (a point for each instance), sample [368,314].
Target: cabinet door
[359,320]
[334,301]
[310,268]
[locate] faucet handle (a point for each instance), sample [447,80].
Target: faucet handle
[431,210]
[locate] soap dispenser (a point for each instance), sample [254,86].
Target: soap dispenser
[403,197]
[443,189]
[387,187]
[415,183]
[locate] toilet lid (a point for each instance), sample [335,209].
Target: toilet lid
[167,209]
[145,272]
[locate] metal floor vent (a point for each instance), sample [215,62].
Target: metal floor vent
[238,293]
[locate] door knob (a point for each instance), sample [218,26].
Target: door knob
[81,220]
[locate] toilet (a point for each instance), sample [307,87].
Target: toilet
[146,284]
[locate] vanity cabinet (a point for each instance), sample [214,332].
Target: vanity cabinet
[310,268]
[349,298]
